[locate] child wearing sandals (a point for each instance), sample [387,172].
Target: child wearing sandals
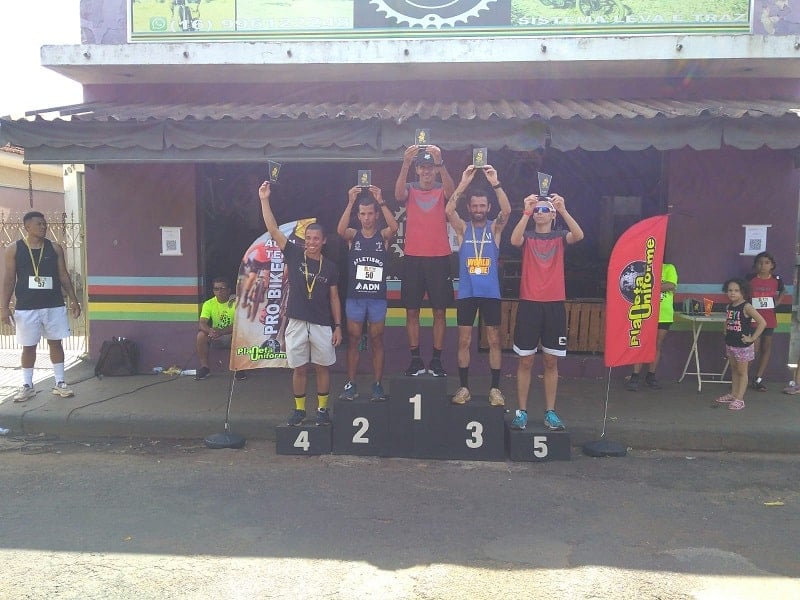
[740,333]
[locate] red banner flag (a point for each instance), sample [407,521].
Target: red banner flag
[633,289]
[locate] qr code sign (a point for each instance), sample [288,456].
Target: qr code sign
[172,245]
[755,244]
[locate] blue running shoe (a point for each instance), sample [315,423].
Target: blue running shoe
[350,392]
[323,417]
[378,395]
[297,417]
[520,420]
[552,422]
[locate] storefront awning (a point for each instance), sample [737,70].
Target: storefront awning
[115,132]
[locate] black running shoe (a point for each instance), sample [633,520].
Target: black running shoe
[297,417]
[436,369]
[417,367]
[202,373]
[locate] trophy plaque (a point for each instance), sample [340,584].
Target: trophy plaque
[274,170]
[364,179]
[544,184]
[422,138]
[480,156]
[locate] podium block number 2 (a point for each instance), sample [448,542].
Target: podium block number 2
[476,438]
[302,441]
[416,400]
[363,426]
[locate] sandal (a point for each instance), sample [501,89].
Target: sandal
[725,399]
[736,404]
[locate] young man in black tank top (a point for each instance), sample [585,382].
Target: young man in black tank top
[37,273]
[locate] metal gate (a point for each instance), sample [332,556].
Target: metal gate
[68,231]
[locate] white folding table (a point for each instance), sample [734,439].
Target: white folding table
[697,327]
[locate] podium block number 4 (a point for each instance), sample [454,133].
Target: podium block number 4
[363,426]
[476,438]
[416,400]
[540,446]
[302,441]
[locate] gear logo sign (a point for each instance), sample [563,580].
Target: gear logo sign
[431,14]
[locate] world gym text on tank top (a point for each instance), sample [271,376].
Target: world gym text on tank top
[46,293]
[477,263]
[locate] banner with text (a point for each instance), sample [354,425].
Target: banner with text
[228,20]
[262,291]
[633,290]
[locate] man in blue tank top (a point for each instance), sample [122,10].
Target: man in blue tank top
[478,279]
[36,273]
[366,288]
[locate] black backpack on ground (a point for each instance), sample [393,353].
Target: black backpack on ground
[118,356]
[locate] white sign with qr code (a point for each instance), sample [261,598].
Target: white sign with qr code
[171,241]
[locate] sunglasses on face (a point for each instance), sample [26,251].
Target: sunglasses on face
[542,209]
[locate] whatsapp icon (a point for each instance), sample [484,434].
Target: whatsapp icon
[158,24]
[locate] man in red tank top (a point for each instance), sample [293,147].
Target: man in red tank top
[426,263]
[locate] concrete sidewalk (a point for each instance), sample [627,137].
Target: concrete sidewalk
[178,407]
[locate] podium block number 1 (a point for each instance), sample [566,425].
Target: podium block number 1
[476,438]
[302,441]
[416,400]
[363,426]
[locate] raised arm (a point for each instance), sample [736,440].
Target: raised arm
[387,232]
[518,235]
[502,200]
[451,209]
[575,232]
[448,185]
[400,189]
[343,228]
[269,218]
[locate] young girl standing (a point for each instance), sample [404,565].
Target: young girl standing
[767,289]
[740,334]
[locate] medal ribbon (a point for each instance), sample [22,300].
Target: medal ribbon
[33,262]
[478,253]
[310,288]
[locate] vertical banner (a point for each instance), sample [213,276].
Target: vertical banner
[262,291]
[633,289]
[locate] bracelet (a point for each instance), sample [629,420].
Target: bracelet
[527,213]
[498,186]
[335,325]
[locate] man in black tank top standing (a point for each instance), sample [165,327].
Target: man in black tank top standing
[36,273]
[366,289]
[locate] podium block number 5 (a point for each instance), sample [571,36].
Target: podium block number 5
[302,441]
[363,425]
[416,400]
[540,446]
[476,441]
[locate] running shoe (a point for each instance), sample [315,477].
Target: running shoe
[349,393]
[24,393]
[297,417]
[552,422]
[323,417]
[202,373]
[61,389]
[792,389]
[632,384]
[417,367]
[378,395]
[496,397]
[436,369]
[758,384]
[520,420]
[462,396]
[651,382]
[240,375]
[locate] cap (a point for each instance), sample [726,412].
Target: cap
[424,159]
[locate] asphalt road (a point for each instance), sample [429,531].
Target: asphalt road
[149,519]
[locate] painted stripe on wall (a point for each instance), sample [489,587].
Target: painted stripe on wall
[148,281]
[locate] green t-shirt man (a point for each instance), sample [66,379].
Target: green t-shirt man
[666,309]
[218,314]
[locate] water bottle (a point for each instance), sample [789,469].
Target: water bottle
[189,372]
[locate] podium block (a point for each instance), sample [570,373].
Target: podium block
[475,431]
[537,444]
[418,408]
[308,440]
[361,428]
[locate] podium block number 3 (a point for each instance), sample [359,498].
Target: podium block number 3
[363,426]
[416,400]
[302,441]
[476,439]
[540,446]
